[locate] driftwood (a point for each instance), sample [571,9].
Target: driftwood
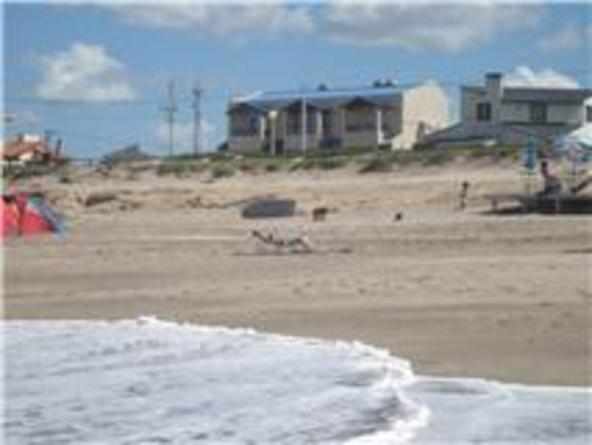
[294,244]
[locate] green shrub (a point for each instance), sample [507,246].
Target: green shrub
[167,168]
[479,152]
[20,171]
[247,166]
[197,167]
[510,152]
[331,163]
[377,164]
[406,157]
[271,167]
[437,157]
[306,164]
[180,167]
[222,171]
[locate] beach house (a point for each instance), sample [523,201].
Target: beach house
[382,115]
[28,148]
[504,114]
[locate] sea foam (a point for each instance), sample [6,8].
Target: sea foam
[147,381]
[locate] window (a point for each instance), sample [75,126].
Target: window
[360,118]
[244,124]
[589,114]
[484,111]
[538,112]
[390,121]
[294,122]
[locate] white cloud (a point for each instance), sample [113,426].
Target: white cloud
[524,76]
[84,72]
[226,20]
[449,27]
[571,36]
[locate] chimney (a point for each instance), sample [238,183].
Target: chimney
[495,91]
[493,85]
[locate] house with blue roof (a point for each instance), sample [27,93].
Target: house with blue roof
[382,115]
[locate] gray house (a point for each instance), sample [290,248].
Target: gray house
[507,115]
[382,115]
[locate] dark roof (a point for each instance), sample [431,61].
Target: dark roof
[16,148]
[524,94]
[320,98]
[545,95]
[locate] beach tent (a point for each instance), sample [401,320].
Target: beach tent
[27,215]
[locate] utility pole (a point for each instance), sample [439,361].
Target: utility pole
[196,105]
[47,137]
[304,122]
[170,109]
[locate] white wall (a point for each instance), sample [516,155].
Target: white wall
[424,106]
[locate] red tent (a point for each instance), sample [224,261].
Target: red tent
[26,215]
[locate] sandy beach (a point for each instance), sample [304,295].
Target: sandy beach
[457,293]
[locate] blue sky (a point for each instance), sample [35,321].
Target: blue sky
[95,74]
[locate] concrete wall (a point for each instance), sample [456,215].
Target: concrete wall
[244,143]
[515,112]
[360,139]
[469,100]
[424,110]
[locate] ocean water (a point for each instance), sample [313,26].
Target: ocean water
[147,381]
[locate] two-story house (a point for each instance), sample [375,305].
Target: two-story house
[382,115]
[507,115]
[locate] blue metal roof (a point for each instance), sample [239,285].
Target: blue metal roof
[319,98]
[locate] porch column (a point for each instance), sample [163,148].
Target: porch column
[262,125]
[320,123]
[379,135]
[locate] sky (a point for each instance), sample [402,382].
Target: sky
[95,74]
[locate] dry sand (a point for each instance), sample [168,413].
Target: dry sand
[457,293]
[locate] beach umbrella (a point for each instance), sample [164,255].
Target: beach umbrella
[577,140]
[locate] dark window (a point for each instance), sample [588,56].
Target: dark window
[294,122]
[484,111]
[538,112]
[327,121]
[244,124]
[588,114]
[360,118]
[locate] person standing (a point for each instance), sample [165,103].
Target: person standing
[464,195]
